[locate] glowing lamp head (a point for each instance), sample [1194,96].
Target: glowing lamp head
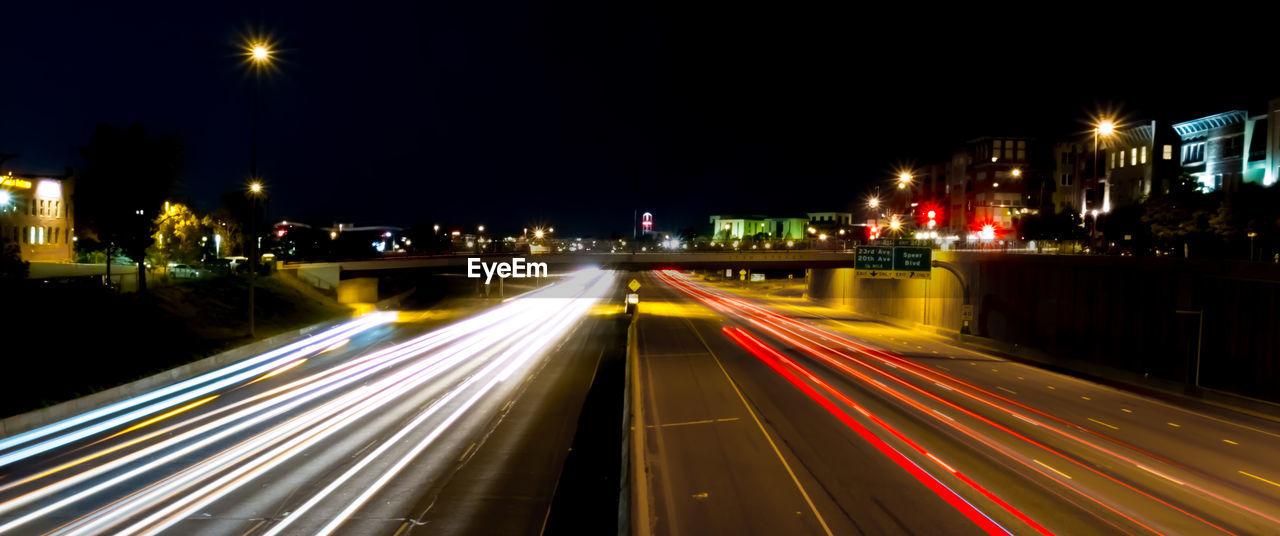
[538,233]
[895,224]
[904,177]
[5,198]
[1106,127]
[255,187]
[932,214]
[1016,172]
[874,202]
[260,53]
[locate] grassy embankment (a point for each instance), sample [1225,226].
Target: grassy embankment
[62,341]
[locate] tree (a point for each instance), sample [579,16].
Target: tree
[12,267]
[128,176]
[179,235]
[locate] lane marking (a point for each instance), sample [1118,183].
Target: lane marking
[1010,391]
[1229,441]
[1104,424]
[467,452]
[754,417]
[1259,478]
[1082,381]
[1126,410]
[259,524]
[944,368]
[1046,466]
[1174,424]
[686,423]
[1085,397]
[1051,387]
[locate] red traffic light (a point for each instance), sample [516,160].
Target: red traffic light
[933,214]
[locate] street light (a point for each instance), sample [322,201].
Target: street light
[873,202]
[904,180]
[5,198]
[1103,128]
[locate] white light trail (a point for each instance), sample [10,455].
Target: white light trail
[495,343]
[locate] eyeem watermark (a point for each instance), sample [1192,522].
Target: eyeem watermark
[518,268]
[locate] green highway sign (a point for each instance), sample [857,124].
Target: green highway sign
[912,262]
[893,262]
[875,262]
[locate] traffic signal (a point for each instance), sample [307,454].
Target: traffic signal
[931,218]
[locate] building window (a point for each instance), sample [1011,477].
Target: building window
[1144,154]
[1066,179]
[1113,160]
[1168,152]
[1133,156]
[996,146]
[1121,153]
[1022,150]
[1233,147]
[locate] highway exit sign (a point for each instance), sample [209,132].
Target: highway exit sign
[893,262]
[912,262]
[874,262]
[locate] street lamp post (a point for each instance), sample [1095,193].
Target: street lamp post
[255,192]
[259,54]
[1103,128]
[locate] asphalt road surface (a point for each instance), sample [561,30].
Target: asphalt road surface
[773,416]
[380,425]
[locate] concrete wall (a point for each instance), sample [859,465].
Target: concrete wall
[1120,312]
[358,290]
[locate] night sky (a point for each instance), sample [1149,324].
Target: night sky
[573,114]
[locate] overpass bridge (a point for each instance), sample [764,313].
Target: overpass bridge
[330,275]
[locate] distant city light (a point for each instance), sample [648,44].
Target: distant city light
[5,198]
[1017,172]
[988,232]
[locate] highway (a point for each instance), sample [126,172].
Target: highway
[365,428]
[767,415]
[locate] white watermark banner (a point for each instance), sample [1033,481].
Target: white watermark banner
[518,268]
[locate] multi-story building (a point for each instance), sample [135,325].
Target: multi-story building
[1141,160]
[1223,151]
[35,213]
[736,226]
[988,182]
[1213,149]
[1271,151]
[786,228]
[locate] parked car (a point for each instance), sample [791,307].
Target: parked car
[183,271]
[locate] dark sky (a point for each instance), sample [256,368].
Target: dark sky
[573,114]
